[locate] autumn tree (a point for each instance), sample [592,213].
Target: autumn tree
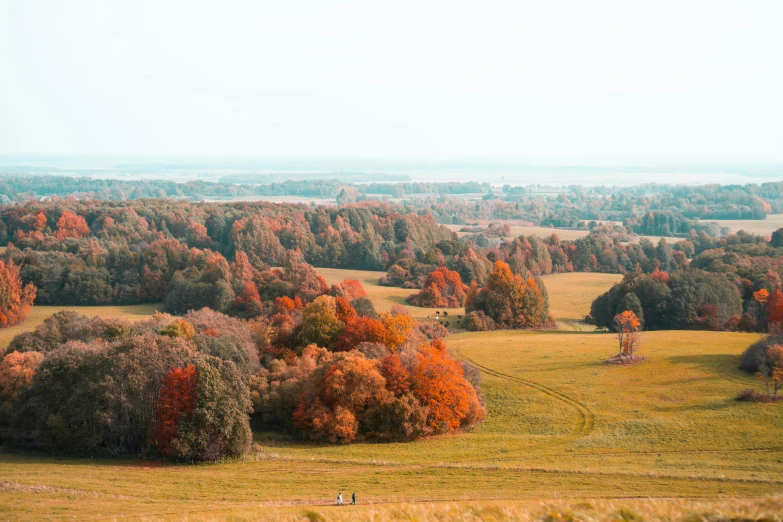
[71,225]
[437,380]
[320,324]
[627,327]
[15,299]
[16,373]
[510,300]
[442,288]
[177,397]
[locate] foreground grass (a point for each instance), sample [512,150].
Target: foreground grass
[566,436]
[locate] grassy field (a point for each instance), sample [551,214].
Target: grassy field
[542,232]
[565,433]
[39,313]
[756,226]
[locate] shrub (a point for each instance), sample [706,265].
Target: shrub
[478,322]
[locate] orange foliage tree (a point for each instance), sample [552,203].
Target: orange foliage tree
[773,308]
[361,330]
[443,287]
[627,326]
[439,383]
[15,300]
[177,397]
[398,328]
[16,372]
[510,301]
[350,289]
[71,225]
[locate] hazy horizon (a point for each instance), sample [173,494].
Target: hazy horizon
[520,82]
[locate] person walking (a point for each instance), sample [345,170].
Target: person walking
[340,499]
[353,499]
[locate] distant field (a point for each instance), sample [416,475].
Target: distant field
[570,295]
[755,226]
[565,432]
[273,199]
[39,313]
[542,232]
[384,297]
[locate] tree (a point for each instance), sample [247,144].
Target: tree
[443,287]
[627,327]
[398,329]
[770,369]
[177,398]
[510,300]
[218,426]
[15,300]
[631,302]
[71,225]
[438,382]
[320,324]
[16,373]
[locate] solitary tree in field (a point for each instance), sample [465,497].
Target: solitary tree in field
[627,326]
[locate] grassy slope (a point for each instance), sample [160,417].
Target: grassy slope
[561,424]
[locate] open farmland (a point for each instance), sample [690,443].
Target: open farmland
[519,230]
[762,227]
[568,234]
[564,431]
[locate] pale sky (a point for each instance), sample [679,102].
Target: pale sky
[599,80]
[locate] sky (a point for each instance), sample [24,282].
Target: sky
[557,80]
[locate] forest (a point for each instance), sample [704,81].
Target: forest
[251,333]
[667,210]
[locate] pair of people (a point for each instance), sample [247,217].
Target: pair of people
[340,499]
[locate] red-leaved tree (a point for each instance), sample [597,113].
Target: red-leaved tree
[15,299]
[177,397]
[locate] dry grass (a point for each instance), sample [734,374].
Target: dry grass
[572,294]
[39,313]
[542,232]
[567,437]
[756,226]
[384,297]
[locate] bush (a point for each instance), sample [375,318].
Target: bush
[748,395]
[752,359]
[478,322]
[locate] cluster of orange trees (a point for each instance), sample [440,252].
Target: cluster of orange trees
[507,300]
[442,288]
[314,360]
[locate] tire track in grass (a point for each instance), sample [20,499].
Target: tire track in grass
[723,370]
[586,417]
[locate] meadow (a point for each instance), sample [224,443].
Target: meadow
[566,436]
[762,227]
